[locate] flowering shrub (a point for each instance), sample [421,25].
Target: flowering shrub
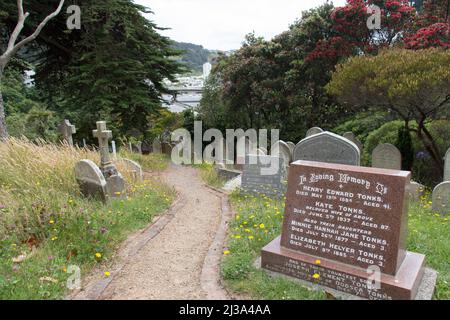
[435,35]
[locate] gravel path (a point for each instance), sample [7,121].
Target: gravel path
[170,265]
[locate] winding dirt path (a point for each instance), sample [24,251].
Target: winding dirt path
[179,260]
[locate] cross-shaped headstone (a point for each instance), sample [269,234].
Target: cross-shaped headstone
[103,137]
[67,130]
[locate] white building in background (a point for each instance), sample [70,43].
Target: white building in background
[206,70]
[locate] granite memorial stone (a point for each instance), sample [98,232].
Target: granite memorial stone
[327,147]
[441,198]
[387,156]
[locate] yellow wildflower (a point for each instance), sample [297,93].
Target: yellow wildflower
[262,226]
[226,252]
[316,276]
[107,273]
[318,261]
[98,255]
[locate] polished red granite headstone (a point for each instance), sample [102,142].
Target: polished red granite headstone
[341,220]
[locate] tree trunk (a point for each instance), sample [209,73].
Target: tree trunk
[430,145]
[3,131]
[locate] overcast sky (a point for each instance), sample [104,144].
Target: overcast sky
[222,24]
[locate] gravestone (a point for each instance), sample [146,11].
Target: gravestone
[291,146]
[387,156]
[115,184]
[281,149]
[67,130]
[447,166]
[415,190]
[114,149]
[264,175]
[351,136]
[441,198]
[157,148]
[261,152]
[139,147]
[84,143]
[313,131]
[264,150]
[327,147]
[341,224]
[135,169]
[90,179]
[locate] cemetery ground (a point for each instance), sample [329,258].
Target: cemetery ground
[47,225]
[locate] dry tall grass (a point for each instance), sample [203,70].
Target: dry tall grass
[37,181]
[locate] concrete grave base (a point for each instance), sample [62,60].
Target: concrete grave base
[423,280]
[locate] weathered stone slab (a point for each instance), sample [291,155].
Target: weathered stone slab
[90,179]
[353,138]
[327,147]
[387,156]
[67,130]
[447,166]
[313,131]
[135,169]
[264,174]
[415,190]
[281,149]
[291,146]
[441,198]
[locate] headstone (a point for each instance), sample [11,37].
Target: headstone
[313,131]
[139,147]
[135,169]
[441,198]
[291,146]
[84,143]
[114,150]
[345,226]
[130,146]
[67,130]
[115,184]
[351,136]
[157,146]
[264,150]
[415,190]
[281,149]
[90,179]
[387,156]
[261,152]
[327,147]
[264,175]
[447,166]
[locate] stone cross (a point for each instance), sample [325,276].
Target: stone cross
[103,137]
[67,130]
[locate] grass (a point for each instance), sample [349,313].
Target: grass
[209,175]
[150,162]
[44,218]
[258,221]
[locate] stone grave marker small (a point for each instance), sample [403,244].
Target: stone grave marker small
[135,169]
[281,149]
[291,146]
[90,179]
[447,166]
[157,148]
[387,156]
[67,130]
[351,136]
[415,190]
[313,131]
[139,147]
[342,224]
[114,149]
[264,174]
[441,198]
[327,147]
[264,150]
[115,184]
[261,152]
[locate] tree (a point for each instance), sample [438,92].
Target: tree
[111,69]
[13,47]
[415,85]
[351,35]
